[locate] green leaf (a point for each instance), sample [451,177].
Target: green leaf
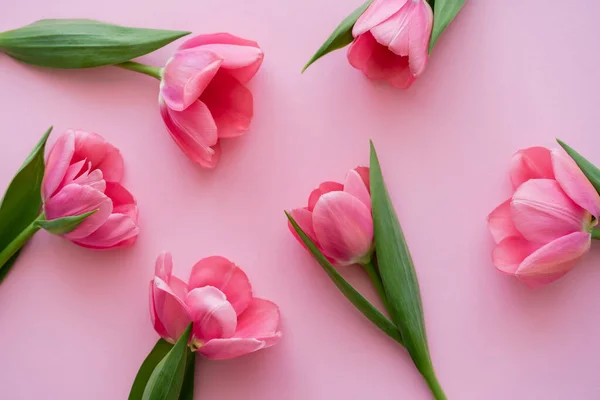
[187,389]
[167,378]
[21,203]
[341,36]
[61,226]
[399,276]
[81,43]
[588,169]
[160,350]
[444,11]
[363,305]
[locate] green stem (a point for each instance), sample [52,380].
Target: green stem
[596,233]
[373,273]
[142,69]
[18,242]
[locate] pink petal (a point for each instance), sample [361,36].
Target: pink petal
[323,188]
[224,275]
[169,310]
[343,226]
[58,163]
[213,315]
[112,166]
[418,43]
[500,223]
[530,163]
[574,182]
[242,62]
[216,38]
[554,260]
[355,186]
[163,268]
[101,154]
[375,14]
[123,201]
[225,349]
[186,75]
[365,176]
[510,253]
[259,321]
[195,132]
[542,212]
[303,218]
[156,322]
[115,232]
[88,177]
[230,104]
[76,200]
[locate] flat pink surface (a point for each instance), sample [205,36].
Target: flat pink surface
[74,323]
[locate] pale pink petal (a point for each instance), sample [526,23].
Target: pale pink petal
[58,163]
[195,132]
[102,155]
[179,287]
[554,260]
[259,321]
[343,226]
[123,200]
[216,38]
[230,104]
[394,32]
[242,62]
[418,41]
[112,166]
[213,315]
[117,230]
[510,253]
[186,75]
[94,179]
[323,188]
[74,171]
[542,212]
[574,182]
[500,223]
[170,310]
[530,163]
[375,14]
[356,187]
[225,349]
[163,268]
[364,173]
[156,322]
[303,217]
[76,200]
[224,275]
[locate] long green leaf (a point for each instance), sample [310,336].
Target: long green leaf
[22,200]
[341,36]
[588,169]
[399,276]
[61,226]
[363,305]
[167,378]
[187,389]
[81,43]
[160,350]
[444,11]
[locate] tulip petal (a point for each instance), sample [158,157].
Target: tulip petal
[241,62]
[510,253]
[356,187]
[554,260]
[213,316]
[170,310]
[343,226]
[542,211]
[259,321]
[500,222]
[530,163]
[195,132]
[365,176]
[224,275]
[303,217]
[418,41]
[186,76]
[230,104]
[574,182]
[163,268]
[112,166]
[123,200]
[323,188]
[117,229]
[101,154]
[58,163]
[375,14]
[74,200]
[226,349]
[216,38]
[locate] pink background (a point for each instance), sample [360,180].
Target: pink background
[74,323]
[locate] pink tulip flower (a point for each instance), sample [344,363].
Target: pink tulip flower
[544,228]
[83,174]
[391,41]
[338,219]
[202,93]
[228,321]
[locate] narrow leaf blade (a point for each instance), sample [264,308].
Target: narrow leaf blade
[167,378]
[589,170]
[187,389]
[362,304]
[81,43]
[444,11]
[160,350]
[61,226]
[341,36]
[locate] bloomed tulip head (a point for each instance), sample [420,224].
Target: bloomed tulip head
[544,228]
[228,321]
[202,94]
[391,41]
[338,219]
[83,173]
